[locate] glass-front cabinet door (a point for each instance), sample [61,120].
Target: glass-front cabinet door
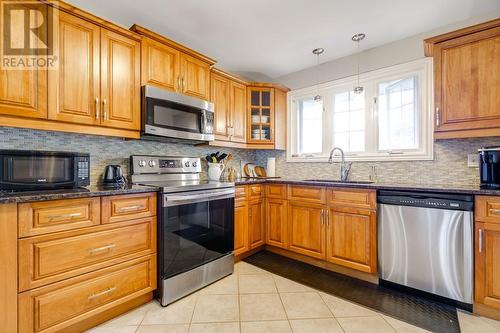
[261,115]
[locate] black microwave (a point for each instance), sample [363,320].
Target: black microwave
[32,170]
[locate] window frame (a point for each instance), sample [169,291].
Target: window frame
[422,68]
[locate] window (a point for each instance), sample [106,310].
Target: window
[389,120]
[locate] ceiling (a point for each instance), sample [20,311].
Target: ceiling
[272,37]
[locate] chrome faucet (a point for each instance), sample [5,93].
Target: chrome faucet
[345,167]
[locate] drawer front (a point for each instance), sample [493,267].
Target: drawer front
[127,207]
[47,259]
[313,194]
[353,198]
[488,209]
[255,192]
[52,308]
[37,218]
[276,191]
[240,192]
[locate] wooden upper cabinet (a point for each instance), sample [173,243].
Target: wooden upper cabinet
[120,81]
[219,86]
[77,82]
[306,229]
[160,65]
[23,93]
[351,238]
[467,81]
[238,104]
[195,77]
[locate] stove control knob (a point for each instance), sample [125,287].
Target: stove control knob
[186,164]
[142,163]
[152,163]
[195,164]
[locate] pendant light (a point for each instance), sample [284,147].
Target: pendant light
[357,38]
[318,51]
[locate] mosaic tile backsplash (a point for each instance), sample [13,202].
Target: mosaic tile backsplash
[449,166]
[107,150]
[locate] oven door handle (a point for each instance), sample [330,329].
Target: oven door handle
[177,199]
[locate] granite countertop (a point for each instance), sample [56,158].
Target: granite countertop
[461,189]
[83,192]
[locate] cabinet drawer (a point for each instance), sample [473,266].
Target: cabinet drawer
[255,192]
[307,193]
[59,305]
[51,258]
[488,209]
[352,197]
[37,218]
[127,207]
[240,192]
[276,191]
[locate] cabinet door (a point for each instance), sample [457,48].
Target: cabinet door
[219,95]
[351,239]
[276,212]
[256,224]
[77,80]
[260,115]
[487,271]
[467,82]
[238,104]
[240,228]
[160,65]
[23,92]
[120,81]
[306,229]
[195,77]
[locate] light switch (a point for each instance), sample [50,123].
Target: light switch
[473,160]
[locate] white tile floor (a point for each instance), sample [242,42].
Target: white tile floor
[254,300]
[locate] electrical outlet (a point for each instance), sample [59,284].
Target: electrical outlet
[473,160]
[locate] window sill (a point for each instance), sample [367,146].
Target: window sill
[365,158]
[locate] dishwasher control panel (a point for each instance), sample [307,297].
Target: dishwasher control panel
[427,200]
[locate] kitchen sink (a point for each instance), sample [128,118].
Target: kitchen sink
[338,181]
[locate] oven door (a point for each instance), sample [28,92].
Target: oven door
[177,116]
[34,172]
[195,228]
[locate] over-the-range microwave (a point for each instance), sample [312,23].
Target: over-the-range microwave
[172,115]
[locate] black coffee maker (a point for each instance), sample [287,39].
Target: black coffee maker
[113,175]
[489,167]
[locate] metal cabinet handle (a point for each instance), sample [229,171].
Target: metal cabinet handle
[64,216]
[438,117]
[102,248]
[480,240]
[129,208]
[178,83]
[101,293]
[494,211]
[104,111]
[183,84]
[97,113]
[322,217]
[327,217]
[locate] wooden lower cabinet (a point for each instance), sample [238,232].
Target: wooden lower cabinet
[256,224]
[487,261]
[351,238]
[276,222]
[57,306]
[241,228]
[306,229]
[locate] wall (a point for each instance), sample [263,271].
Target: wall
[449,166]
[106,150]
[379,57]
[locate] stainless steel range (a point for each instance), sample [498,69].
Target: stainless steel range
[195,224]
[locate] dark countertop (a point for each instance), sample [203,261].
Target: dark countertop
[84,192]
[460,189]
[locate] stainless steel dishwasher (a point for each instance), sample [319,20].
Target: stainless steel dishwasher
[425,242]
